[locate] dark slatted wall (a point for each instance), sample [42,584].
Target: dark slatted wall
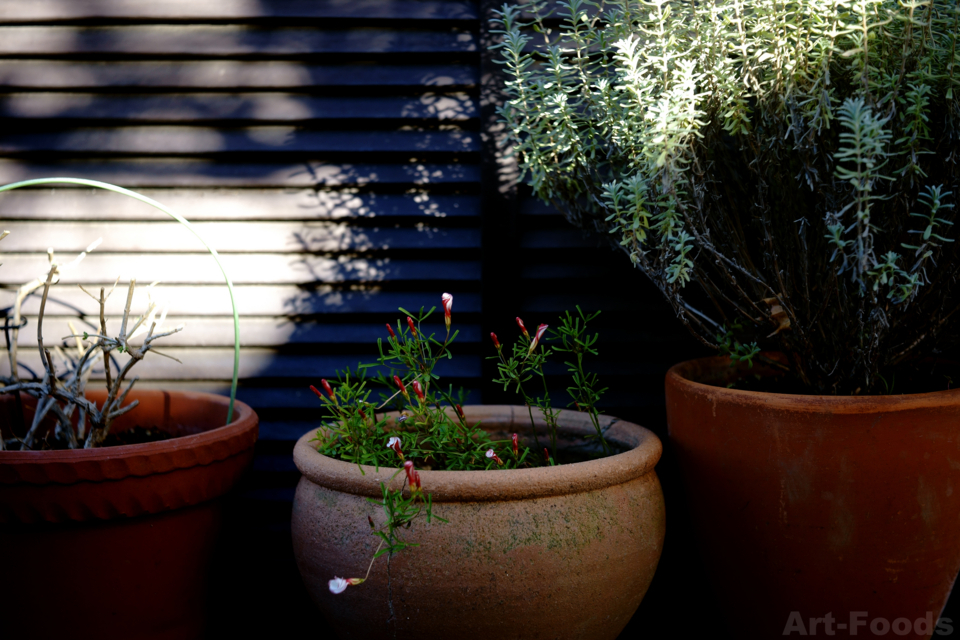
[329,151]
[338,153]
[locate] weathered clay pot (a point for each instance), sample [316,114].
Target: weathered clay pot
[114,542]
[817,506]
[557,552]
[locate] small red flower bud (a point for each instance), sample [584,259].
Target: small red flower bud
[401,386]
[493,456]
[417,389]
[326,387]
[413,328]
[413,478]
[516,443]
[496,342]
[370,520]
[447,300]
[460,413]
[542,329]
[390,329]
[546,454]
[522,328]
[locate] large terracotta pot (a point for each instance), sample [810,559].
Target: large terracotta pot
[114,542]
[845,509]
[557,552]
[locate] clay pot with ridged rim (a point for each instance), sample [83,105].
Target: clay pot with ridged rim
[813,505]
[554,552]
[114,542]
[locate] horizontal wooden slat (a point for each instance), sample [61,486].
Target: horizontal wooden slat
[531,206]
[134,173]
[296,395]
[227,41]
[202,107]
[556,270]
[225,237]
[233,75]
[217,364]
[251,268]
[252,300]
[254,332]
[239,10]
[552,302]
[172,140]
[234,204]
[568,238]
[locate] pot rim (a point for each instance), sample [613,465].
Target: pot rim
[112,463]
[682,376]
[495,484]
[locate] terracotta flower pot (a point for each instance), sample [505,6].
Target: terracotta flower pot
[557,552]
[817,506]
[114,542]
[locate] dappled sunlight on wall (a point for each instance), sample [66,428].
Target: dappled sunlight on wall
[329,151]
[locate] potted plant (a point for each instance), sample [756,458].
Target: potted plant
[436,520]
[785,174]
[108,497]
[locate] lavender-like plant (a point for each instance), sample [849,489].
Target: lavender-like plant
[79,422]
[797,161]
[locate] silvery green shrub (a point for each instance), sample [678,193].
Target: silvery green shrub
[784,172]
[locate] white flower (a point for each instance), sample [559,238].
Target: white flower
[339,585]
[394,441]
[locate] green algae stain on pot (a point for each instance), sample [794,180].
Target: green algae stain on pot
[551,525]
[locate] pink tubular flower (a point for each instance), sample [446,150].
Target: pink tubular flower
[417,389]
[394,443]
[493,456]
[496,342]
[516,443]
[536,339]
[401,386]
[522,328]
[390,329]
[339,585]
[413,328]
[447,300]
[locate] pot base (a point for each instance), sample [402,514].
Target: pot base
[150,576]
